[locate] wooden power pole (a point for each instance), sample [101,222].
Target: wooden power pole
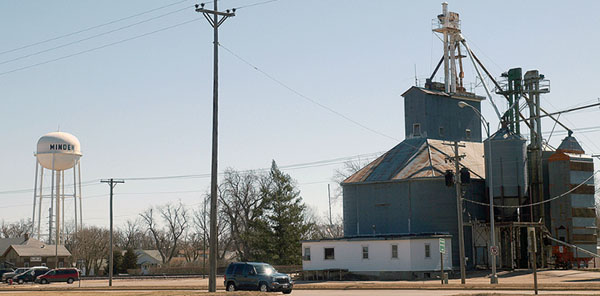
[112,183]
[215,18]
[461,237]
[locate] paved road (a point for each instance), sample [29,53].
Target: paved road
[312,292]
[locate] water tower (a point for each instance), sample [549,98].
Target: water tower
[57,153]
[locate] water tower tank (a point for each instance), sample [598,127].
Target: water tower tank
[58,151]
[508,157]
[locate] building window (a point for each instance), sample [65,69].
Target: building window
[329,253]
[394,251]
[468,134]
[441,131]
[26,264]
[61,264]
[427,251]
[416,130]
[365,252]
[306,254]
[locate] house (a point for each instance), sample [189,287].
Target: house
[26,252]
[147,259]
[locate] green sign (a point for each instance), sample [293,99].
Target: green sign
[442,246]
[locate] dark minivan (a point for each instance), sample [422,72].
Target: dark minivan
[30,275]
[68,275]
[256,276]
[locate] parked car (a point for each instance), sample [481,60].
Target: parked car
[29,275]
[256,276]
[5,270]
[68,275]
[6,277]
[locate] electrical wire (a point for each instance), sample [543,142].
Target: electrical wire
[191,176]
[255,4]
[94,36]
[93,27]
[306,97]
[535,203]
[99,47]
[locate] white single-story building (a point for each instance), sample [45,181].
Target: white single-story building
[380,256]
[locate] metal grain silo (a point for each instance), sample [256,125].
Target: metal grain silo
[509,171]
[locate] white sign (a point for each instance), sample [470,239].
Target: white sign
[442,246]
[35,259]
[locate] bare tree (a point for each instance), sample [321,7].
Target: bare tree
[321,227]
[242,205]
[15,229]
[167,237]
[132,236]
[91,245]
[202,226]
[348,169]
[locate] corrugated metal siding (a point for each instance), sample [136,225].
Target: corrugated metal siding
[577,177]
[433,109]
[409,206]
[582,200]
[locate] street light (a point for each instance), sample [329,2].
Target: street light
[494,277]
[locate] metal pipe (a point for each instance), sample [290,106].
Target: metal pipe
[464,42]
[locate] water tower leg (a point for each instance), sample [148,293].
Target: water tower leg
[51,212]
[80,207]
[37,166]
[40,204]
[75,195]
[62,206]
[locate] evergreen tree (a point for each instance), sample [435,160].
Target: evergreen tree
[284,224]
[129,260]
[117,261]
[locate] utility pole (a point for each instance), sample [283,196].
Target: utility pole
[112,183]
[215,22]
[329,196]
[461,238]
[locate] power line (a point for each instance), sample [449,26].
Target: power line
[93,27]
[192,176]
[94,36]
[539,202]
[99,47]
[256,4]
[306,97]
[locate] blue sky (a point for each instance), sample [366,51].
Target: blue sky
[143,107]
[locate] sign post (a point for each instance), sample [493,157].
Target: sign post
[532,246]
[442,252]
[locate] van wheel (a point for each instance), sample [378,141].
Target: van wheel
[44,281]
[287,291]
[231,287]
[70,281]
[263,287]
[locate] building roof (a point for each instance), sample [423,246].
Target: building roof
[390,236]
[144,255]
[420,158]
[6,242]
[459,96]
[570,145]
[41,250]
